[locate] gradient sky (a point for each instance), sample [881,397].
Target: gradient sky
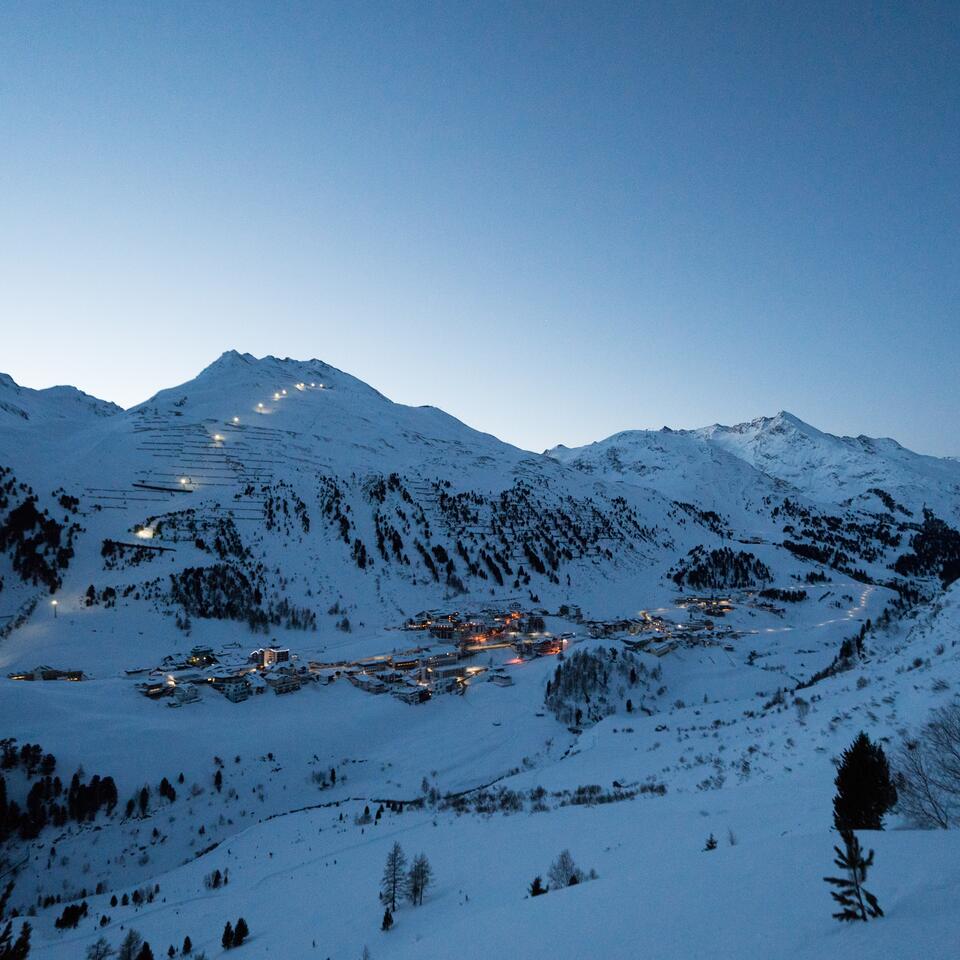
[553,220]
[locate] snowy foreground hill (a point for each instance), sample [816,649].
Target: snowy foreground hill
[483,654]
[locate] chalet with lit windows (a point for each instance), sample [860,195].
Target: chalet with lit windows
[270,656]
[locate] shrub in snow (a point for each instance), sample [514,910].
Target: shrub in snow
[564,872]
[928,771]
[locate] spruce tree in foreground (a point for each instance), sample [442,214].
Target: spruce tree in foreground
[850,892]
[227,939]
[387,920]
[865,789]
[240,932]
[394,876]
[711,843]
[537,889]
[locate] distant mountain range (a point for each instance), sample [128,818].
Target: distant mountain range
[322,494]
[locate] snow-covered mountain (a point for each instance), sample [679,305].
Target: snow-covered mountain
[841,469]
[370,505]
[21,406]
[782,454]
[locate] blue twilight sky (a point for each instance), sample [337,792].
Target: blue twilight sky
[554,220]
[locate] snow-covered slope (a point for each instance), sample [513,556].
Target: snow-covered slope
[680,464]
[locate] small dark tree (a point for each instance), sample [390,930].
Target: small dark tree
[187,947]
[145,952]
[18,949]
[711,843]
[850,893]
[130,946]
[392,882]
[218,780]
[101,950]
[536,888]
[419,878]
[865,789]
[227,939]
[240,932]
[387,920]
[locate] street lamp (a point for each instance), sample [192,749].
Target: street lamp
[54,604]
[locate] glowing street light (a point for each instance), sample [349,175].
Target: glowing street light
[54,604]
[217,438]
[259,406]
[236,419]
[184,481]
[276,396]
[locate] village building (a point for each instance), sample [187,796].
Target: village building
[201,657]
[367,682]
[235,688]
[48,673]
[270,656]
[283,682]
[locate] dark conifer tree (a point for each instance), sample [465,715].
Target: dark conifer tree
[711,843]
[856,903]
[394,877]
[240,932]
[536,888]
[18,949]
[387,920]
[187,948]
[865,789]
[227,939]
